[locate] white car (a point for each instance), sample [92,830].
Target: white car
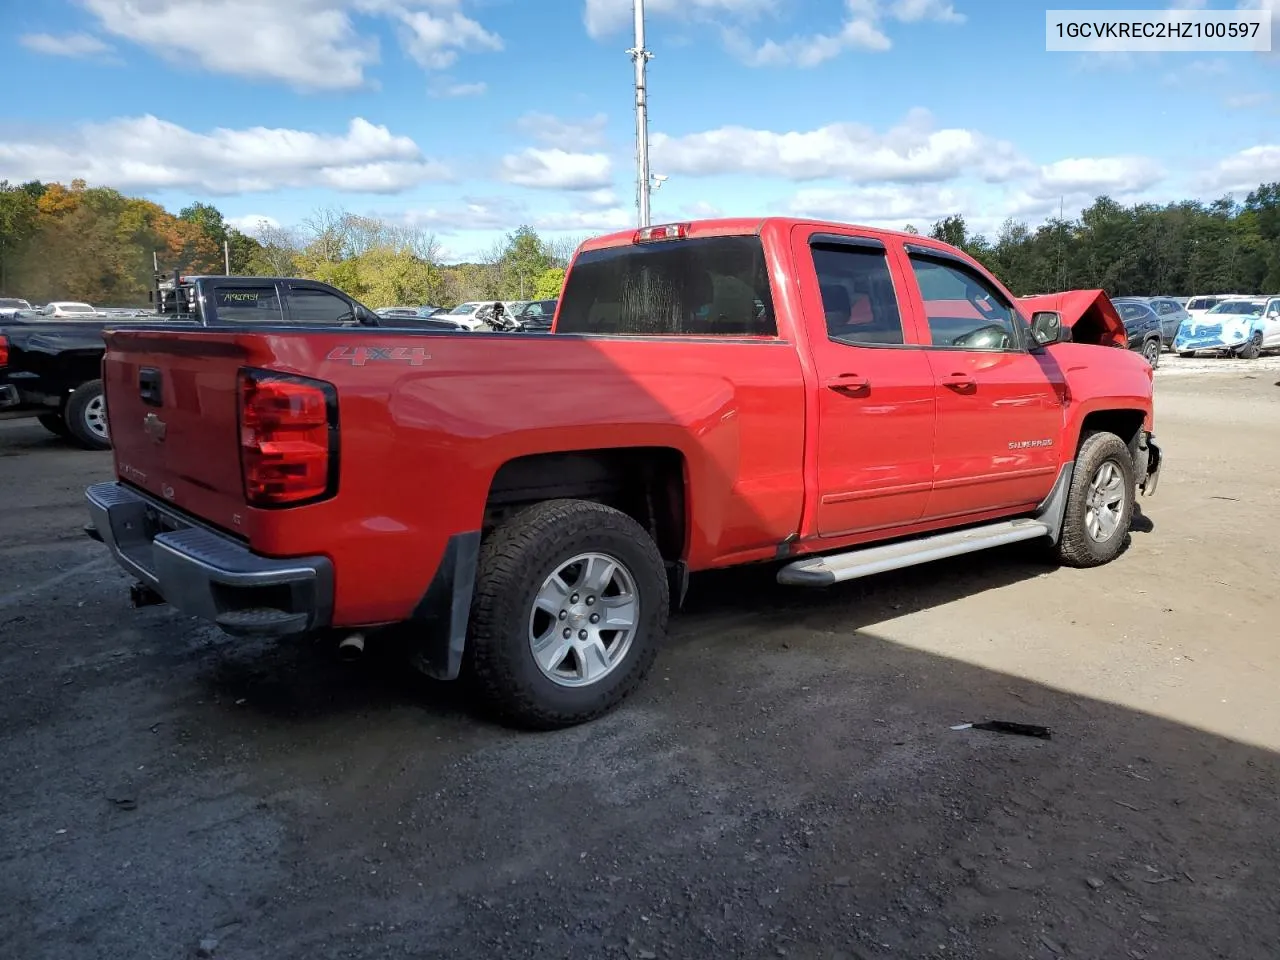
[1271,324]
[474,315]
[1239,326]
[1198,305]
[12,305]
[68,310]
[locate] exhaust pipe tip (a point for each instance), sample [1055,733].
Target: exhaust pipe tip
[351,647]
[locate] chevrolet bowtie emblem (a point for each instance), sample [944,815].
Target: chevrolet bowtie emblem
[154,427]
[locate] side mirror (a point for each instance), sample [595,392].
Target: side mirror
[1047,328]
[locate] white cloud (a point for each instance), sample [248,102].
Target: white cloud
[308,44]
[555,169]
[880,205]
[605,17]
[861,29]
[453,90]
[434,39]
[913,11]
[475,213]
[613,218]
[74,45]
[1247,101]
[556,132]
[251,224]
[505,214]
[602,198]
[1112,175]
[911,151]
[1245,170]
[147,153]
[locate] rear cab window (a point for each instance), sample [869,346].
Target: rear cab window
[249,303]
[703,286]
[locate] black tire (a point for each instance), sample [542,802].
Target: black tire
[83,410]
[1151,353]
[515,562]
[1077,547]
[1186,354]
[55,424]
[1253,349]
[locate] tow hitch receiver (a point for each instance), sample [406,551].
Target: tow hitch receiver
[140,595]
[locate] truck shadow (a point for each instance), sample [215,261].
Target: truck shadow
[303,680]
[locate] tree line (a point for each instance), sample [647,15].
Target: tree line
[98,245]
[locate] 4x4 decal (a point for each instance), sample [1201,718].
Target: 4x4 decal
[359,356]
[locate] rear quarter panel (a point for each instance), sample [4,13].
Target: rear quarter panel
[423,437]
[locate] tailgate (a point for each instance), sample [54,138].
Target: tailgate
[172,406]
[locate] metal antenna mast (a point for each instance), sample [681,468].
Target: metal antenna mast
[640,57]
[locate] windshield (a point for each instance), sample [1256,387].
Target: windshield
[1202,303]
[712,286]
[75,308]
[1238,307]
[7,303]
[463,308]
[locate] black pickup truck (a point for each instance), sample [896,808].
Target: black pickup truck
[50,369]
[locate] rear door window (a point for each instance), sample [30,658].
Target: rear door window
[709,286]
[247,304]
[857,295]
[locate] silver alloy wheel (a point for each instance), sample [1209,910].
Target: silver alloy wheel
[1104,504]
[583,620]
[1151,352]
[95,416]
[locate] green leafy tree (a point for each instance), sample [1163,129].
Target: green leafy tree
[548,284]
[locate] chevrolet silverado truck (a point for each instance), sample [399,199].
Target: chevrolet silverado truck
[50,369]
[525,509]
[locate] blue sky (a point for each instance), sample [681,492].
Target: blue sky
[470,117]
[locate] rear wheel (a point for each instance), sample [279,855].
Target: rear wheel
[86,416]
[55,424]
[570,605]
[1095,525]
[1151,352]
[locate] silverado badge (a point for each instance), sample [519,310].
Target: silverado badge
[154,427]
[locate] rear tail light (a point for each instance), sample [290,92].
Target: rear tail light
[4,351]
[288,439]
[669,231]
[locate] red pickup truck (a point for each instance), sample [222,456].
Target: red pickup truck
[836,400]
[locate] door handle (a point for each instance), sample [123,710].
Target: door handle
[149,386]
[849,383]
[960,381]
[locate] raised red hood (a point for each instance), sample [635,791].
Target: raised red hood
[1089,314]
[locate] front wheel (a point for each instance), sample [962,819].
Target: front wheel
[571,602]
[1095,525]
[1253,349]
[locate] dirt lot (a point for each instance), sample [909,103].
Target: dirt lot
[786,785]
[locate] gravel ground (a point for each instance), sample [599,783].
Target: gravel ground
[787,784]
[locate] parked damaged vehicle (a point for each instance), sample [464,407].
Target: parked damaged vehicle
[1241,327]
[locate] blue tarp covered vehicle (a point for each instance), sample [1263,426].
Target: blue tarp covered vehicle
[1243,327]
